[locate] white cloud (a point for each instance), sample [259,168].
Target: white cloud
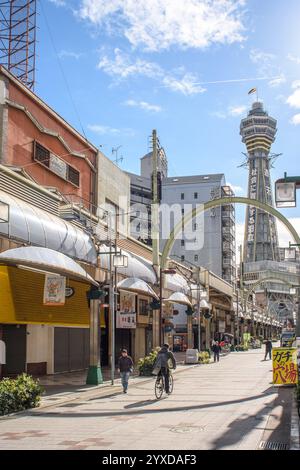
[72,55]
[59,3]
[103,130]
[122,66]
[296,120]
[188,84]
[143,105]
[296,84]
[267,67]
[237,110]
[277,81]
[259,57]
[231,111]
[236,189]
[161,24]
[294,58]
[294,99]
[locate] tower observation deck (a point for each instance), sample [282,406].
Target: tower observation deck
[258,131]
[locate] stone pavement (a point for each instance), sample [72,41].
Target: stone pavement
[227,405]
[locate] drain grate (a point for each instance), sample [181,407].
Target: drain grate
[269,445]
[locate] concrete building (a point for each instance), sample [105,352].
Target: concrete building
[141,195]
[209,241]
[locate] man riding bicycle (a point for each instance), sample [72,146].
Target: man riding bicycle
[162,363]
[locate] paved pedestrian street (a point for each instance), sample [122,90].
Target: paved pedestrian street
[227,405]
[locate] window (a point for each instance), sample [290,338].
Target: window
[55,164]
[195,226]
[195,195]
[196,258]
[41,154]
[182,210]
[143,307]
[182,257]
[182,242]
[182,196]
[73,175]
[138,227]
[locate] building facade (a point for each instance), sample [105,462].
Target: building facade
[211,238]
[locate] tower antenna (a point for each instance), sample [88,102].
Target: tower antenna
[18,39]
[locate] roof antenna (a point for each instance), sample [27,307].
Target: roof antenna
[115,151]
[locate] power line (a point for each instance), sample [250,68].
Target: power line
[62,70]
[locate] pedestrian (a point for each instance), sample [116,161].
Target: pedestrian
[125,366]
[268,349]
[216,348]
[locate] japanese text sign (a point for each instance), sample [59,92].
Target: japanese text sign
[285,371]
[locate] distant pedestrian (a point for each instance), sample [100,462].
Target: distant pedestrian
[216,348]
[268,349]
[125,366]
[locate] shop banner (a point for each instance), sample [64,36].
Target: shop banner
[125,320]
[126,315]
[246,338]
[54,290]
[285,371]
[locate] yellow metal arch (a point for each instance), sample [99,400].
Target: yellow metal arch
[220,202]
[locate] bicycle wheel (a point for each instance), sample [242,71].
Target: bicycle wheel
[159,387]
[171,383]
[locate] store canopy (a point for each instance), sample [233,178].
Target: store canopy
[137,267]
[179,298]
[137,286]
[177,283]
[45,260]
[37,227]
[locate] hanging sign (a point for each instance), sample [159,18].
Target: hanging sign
[54,290]
[126,315]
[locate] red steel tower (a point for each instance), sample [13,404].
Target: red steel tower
[18,38]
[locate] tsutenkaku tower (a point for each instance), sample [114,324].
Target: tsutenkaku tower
[18,38]
[258,132]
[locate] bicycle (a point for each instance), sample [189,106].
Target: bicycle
[160,384]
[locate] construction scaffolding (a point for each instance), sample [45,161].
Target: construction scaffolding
[18,39]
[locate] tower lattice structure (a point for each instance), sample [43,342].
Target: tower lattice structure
[18,38]
[258,132]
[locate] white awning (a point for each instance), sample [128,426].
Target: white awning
[45,260]
[177,283]
[133,284]
[35,226]
[179,298]
[137,267]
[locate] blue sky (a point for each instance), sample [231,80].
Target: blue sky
[131,66]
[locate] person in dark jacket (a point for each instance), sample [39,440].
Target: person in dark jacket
[268,349]
[125,366]
[164,357]
[216,349]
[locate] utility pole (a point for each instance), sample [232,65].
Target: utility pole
[111,303]
[157,322]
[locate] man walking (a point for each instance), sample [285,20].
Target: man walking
[162,363]
[125,365]
[216,350]
[268,349]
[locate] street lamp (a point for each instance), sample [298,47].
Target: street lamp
[119,261]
